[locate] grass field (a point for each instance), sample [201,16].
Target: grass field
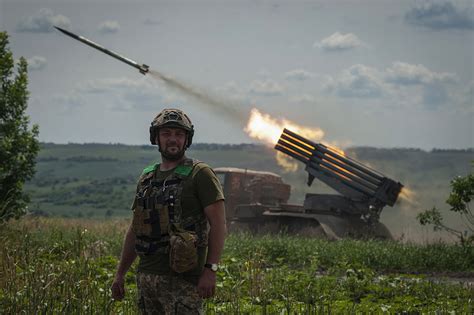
[66,266]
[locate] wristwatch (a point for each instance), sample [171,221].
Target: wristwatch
[213,267]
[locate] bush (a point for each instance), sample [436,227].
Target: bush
[459,199]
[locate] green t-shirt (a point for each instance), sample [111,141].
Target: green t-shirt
[201,189]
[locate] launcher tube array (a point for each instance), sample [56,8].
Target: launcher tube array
[324,159]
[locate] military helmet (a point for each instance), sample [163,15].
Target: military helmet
[173,118]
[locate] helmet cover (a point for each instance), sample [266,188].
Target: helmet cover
[172,118]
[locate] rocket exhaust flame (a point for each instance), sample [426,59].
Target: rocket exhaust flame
[286,162]
[408,195]
[267,129]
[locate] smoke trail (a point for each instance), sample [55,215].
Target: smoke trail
[230,109]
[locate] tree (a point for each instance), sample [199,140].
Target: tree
[18,144]
[459,200]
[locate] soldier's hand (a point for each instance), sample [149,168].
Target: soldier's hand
[118,288]
[207,283]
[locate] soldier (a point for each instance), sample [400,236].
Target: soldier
[178,226]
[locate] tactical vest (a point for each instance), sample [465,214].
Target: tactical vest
[158,205]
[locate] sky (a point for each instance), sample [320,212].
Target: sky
[367,73]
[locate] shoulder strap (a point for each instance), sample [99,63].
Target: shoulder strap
[186,167]
[150,168]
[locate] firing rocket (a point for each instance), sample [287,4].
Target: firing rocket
[142,68]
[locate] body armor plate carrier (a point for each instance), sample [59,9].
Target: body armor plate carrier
[158,207]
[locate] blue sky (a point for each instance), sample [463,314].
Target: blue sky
[375,73]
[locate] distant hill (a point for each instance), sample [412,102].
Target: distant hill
[98,180]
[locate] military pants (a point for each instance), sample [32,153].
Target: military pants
[167,294]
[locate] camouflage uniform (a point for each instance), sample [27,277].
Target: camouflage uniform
[167,294]
[172,202]
[160,289]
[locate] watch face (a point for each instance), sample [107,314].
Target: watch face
[213,267]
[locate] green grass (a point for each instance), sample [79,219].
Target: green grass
[67,266]
[382,256]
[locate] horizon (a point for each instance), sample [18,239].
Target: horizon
[468,149]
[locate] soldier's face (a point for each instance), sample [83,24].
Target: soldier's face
[172,143]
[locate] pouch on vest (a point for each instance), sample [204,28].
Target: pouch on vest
[146,223]
[183,249]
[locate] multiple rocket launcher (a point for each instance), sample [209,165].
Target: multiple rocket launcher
[363,189]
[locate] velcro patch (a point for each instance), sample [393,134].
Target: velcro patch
[183,170]
[149,169]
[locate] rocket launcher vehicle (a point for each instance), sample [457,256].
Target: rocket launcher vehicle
[364,191]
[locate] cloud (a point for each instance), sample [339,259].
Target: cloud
[150,21]
[266,88]
[408,74]
[263,74]
[435,95]
[87,92]
[36,63]
[142,94]
[232,91]
[434,85]
[467,96]
[358,81]
[109,27]
[111,84]
[303,98]
[440,15]
[339,42]
[401,83]
[469,92]
[42,22]
[142,99]
[230,87]
[69,101]
[298,75]
[461,97]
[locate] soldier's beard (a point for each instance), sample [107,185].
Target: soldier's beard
[172,156]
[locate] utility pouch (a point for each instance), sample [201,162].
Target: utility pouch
[183,249]
[139,226]
[146,223]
